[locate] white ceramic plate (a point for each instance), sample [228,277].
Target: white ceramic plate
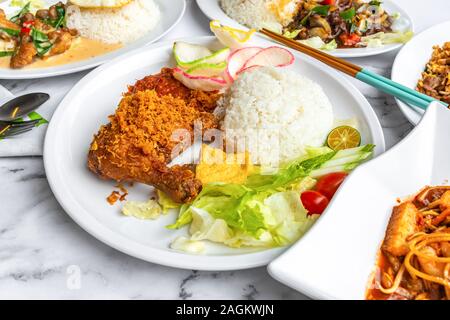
[83,195]
[212,10]
[336,258]
[411,61]
[171,13]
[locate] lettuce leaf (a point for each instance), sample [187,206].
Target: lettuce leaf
[266,211]
[142,210]
[166,202]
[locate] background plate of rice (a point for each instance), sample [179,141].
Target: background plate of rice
[253,12]
[170,13]
[82,194]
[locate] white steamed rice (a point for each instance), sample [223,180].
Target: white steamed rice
[276,114]
[115,25]
[251,13]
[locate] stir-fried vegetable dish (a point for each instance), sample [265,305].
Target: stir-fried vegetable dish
[27,36]
[341,23]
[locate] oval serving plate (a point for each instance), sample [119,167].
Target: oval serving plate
[212,10]
[171,13]
[82,194]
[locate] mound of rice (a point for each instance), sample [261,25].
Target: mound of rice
[115,25]
[257,14]
[275,114]
[251,13]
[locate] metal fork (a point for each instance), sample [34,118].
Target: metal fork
[14,128]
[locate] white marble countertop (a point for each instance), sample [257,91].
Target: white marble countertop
[42,250]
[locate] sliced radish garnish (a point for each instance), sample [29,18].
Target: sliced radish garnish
[188,55]
[247,69]
[271,57]
[238,59]
[199,82]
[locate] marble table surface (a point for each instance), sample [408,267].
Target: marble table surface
[44,254]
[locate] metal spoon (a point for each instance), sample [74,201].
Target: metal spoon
[21,106]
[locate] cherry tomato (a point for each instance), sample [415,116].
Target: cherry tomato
[328,184]
[349,39]
[328,2]
[314,201]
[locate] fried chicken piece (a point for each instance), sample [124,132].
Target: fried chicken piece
[24,54]
[61,39]
[5,23]
[137,144]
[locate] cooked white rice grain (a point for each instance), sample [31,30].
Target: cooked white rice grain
[251,13]
[115,25]
[276,114]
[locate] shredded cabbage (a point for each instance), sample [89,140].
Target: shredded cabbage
[34,4]
[318,43]
[142,210]
[382,38]
[166,202]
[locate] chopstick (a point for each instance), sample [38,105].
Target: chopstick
[386,85]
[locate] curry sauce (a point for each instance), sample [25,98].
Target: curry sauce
[81,49]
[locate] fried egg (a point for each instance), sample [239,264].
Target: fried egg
[100,3]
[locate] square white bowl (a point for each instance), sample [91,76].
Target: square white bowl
[335,259]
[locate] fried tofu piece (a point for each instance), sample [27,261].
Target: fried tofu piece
[402,224]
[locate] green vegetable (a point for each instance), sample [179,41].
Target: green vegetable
[10,32]
[318,43]
[36,116]
[34,4]
[60,21]
[207,69]
[149,210]
[348,15]
[266,211]
[21,13]
[41,42]
[382,38]
[205,227]
[6,53]
[375,3]
[305,19]
[189,55]
[321,10]
[291,35]
[166,202]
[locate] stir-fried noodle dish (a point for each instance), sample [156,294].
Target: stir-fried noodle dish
[414,262]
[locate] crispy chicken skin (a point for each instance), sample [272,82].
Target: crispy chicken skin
[62,41]
[402,224]
[24,55]
[137,144]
